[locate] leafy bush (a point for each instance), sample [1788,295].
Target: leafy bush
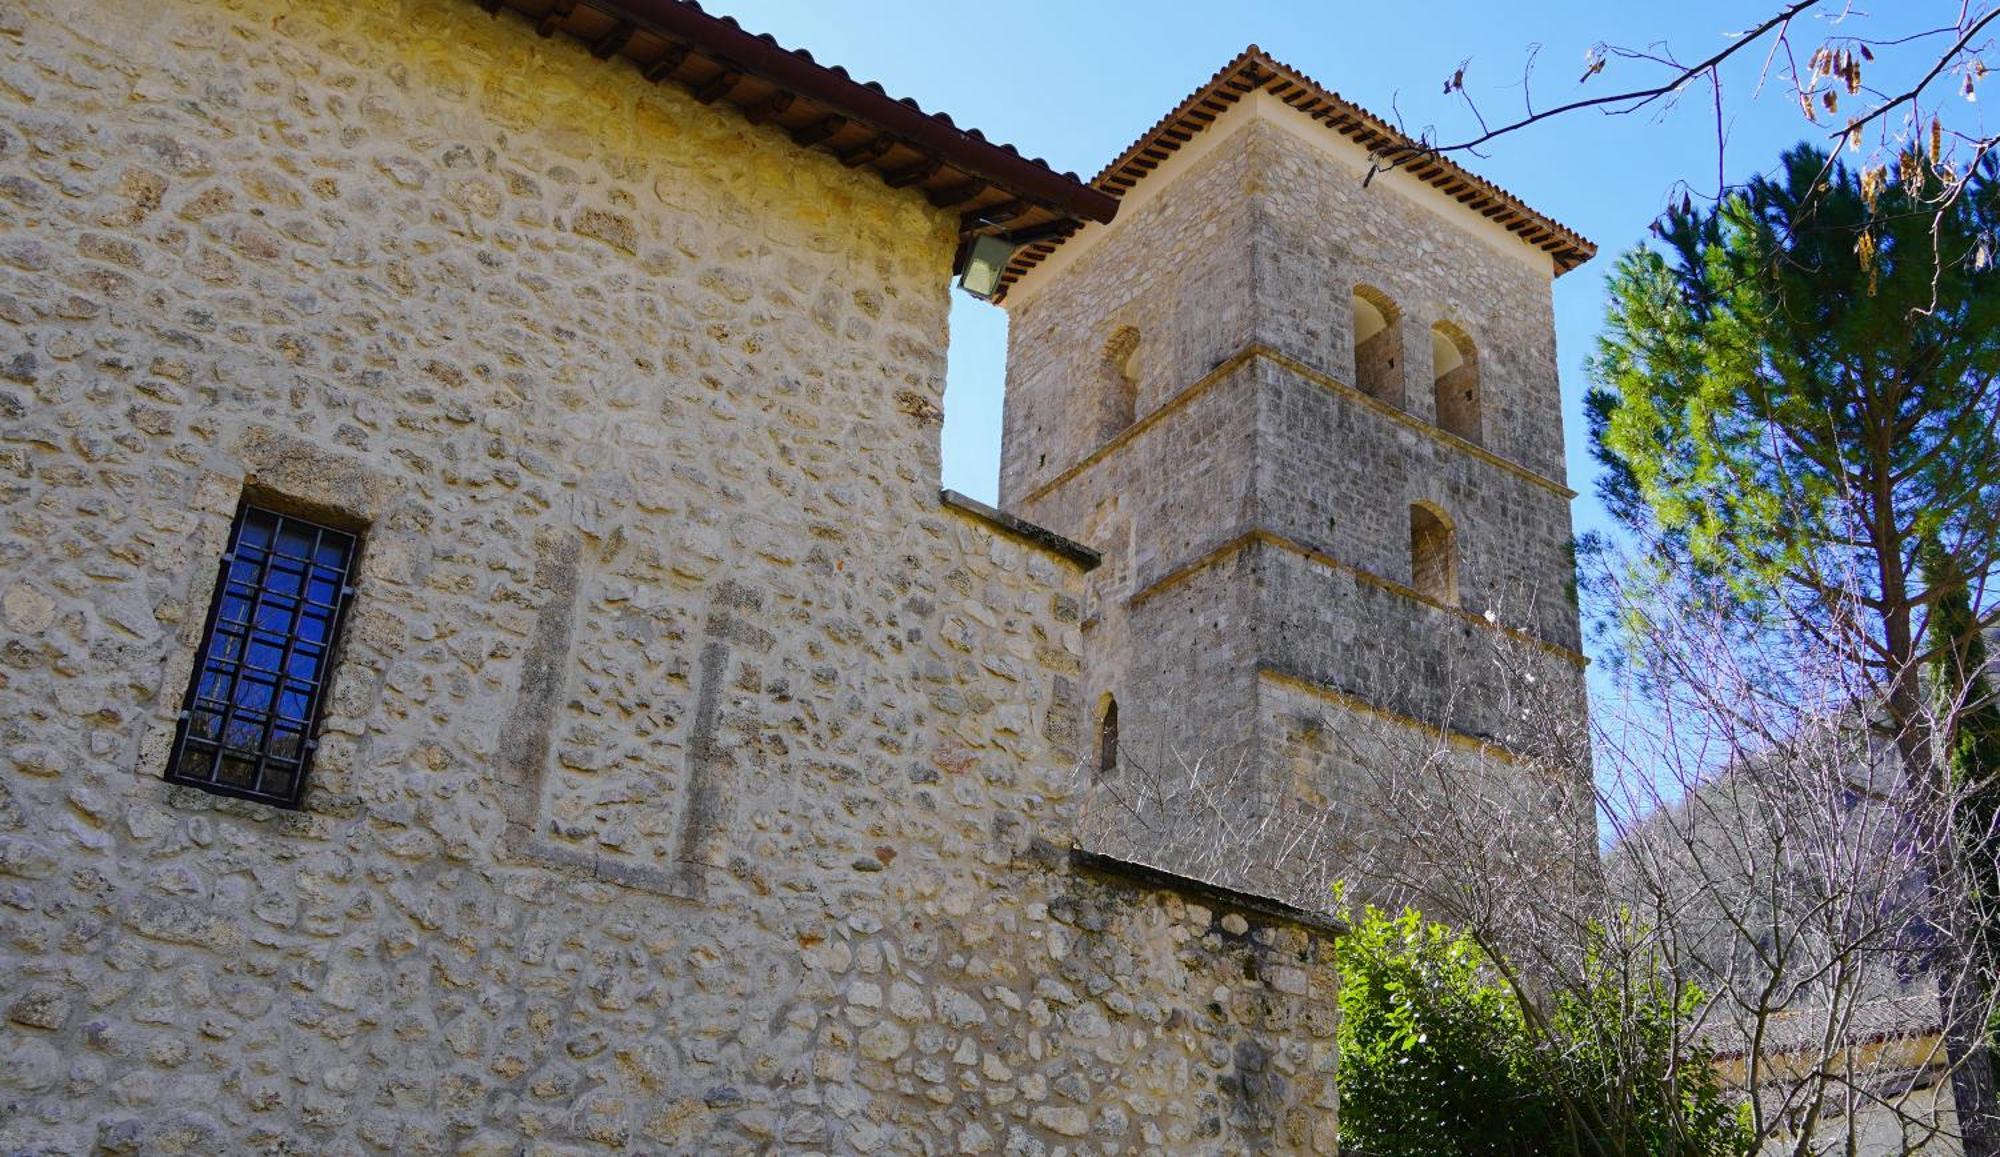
[1441,1055]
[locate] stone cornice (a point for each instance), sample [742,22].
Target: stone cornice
[1022,530]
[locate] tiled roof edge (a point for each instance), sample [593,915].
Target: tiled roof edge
[1252,70]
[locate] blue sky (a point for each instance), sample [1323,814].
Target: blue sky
[1075,83]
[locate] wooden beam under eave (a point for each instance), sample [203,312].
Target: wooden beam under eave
[614,41]
[717,86]
[554,18]
[958,194]
[867,152]
[764,110]
[665,64]
[993,214]
[916,174]
[807,136]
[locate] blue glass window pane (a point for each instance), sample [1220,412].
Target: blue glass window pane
[243,733]
[253,693]
[287,744]
[237,771]
[314,625]
[304,663]
[324,588]
[256,528]
[295,703]
[295,540]
[285,577]
[235,606]
[227,648]
[205,725]
[265,653]
[278,780]
[215,684]
[274,614]
[192,763]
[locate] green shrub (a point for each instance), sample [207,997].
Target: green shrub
[1441,1057]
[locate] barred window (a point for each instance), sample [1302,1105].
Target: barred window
[247,725]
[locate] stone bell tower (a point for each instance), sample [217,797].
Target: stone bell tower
[1314,427]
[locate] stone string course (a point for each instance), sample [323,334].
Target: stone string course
[693,780]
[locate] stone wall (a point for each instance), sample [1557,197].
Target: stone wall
[690,775]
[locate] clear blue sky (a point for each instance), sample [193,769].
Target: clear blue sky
[1075,83]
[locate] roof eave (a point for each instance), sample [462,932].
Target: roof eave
[1253,70]
[992,186]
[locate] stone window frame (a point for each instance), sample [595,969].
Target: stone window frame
[294,476]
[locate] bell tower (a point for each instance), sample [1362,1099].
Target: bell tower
[1314,426]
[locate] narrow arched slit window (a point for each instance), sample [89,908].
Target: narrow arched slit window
[1455,364]
[1378,345]
[1107,736]
[1118,372]
[1433,554]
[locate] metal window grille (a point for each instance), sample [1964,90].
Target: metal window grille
[248,723]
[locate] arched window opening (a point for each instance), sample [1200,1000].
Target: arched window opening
[1378,346]
[1119,374]
[1433,554]
[1455,364]
[1107,736]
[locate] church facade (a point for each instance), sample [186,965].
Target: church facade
[487,667]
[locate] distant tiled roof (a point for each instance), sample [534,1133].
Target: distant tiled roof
[1898,1018]
[1254,70]
[991,185]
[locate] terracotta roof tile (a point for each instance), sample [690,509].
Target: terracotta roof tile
[1253,69]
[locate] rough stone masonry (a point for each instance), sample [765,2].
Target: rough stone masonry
[690,778]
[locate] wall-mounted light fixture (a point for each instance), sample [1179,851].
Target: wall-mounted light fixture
[985,261]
